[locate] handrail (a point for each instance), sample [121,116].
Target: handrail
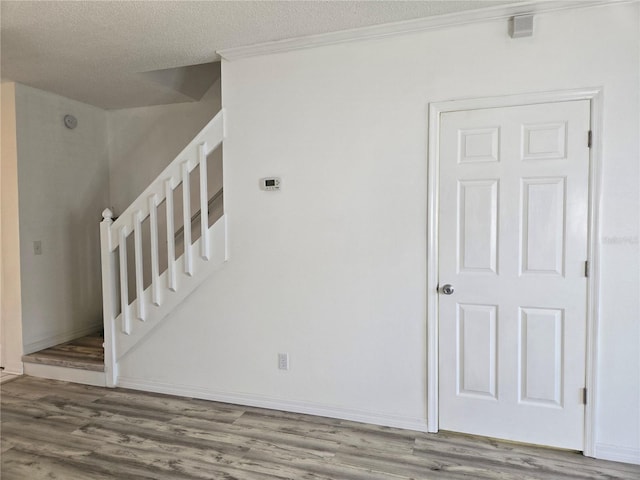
[196,215]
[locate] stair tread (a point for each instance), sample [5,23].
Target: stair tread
[75,351]
[84,353]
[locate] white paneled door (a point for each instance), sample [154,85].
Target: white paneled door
[513,216]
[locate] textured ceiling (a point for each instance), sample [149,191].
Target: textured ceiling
[96,51]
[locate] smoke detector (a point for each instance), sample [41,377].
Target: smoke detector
[70,122]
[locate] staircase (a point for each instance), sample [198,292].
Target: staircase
[79,361]
[131,314]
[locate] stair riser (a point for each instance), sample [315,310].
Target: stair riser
[75,375]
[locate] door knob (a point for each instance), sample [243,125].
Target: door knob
[447,289]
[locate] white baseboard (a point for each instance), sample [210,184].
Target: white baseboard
[14,368]
[74,375]
[374,418]
[616,453]
[57,339]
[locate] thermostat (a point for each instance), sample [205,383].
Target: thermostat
[270,183]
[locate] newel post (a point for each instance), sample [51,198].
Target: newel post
[108,298]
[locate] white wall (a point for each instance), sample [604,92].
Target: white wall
[10,303]
[63,182]
[332,269]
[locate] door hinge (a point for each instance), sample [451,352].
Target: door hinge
[584,396]
[589,139]
[586,268]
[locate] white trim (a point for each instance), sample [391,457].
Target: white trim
[14,367]
[226,233]
[593,284]
[594,95]
[75,375]
[617,453]
[409,26]
[396,421]
[63,337]
[433,193]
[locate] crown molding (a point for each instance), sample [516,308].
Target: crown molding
[411,26]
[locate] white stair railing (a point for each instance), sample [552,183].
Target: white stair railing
[126,320]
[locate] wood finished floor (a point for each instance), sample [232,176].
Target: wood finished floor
[58,430]
[7,377]
[85,353]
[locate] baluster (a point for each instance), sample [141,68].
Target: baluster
[155,262]
[124,282]
[137,236]
[204,202]
[171,238]
[186,215]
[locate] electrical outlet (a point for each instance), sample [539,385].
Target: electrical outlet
[37,247]
[283,361]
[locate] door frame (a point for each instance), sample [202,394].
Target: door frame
[436,109]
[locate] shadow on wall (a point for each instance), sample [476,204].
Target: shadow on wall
[143,141]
